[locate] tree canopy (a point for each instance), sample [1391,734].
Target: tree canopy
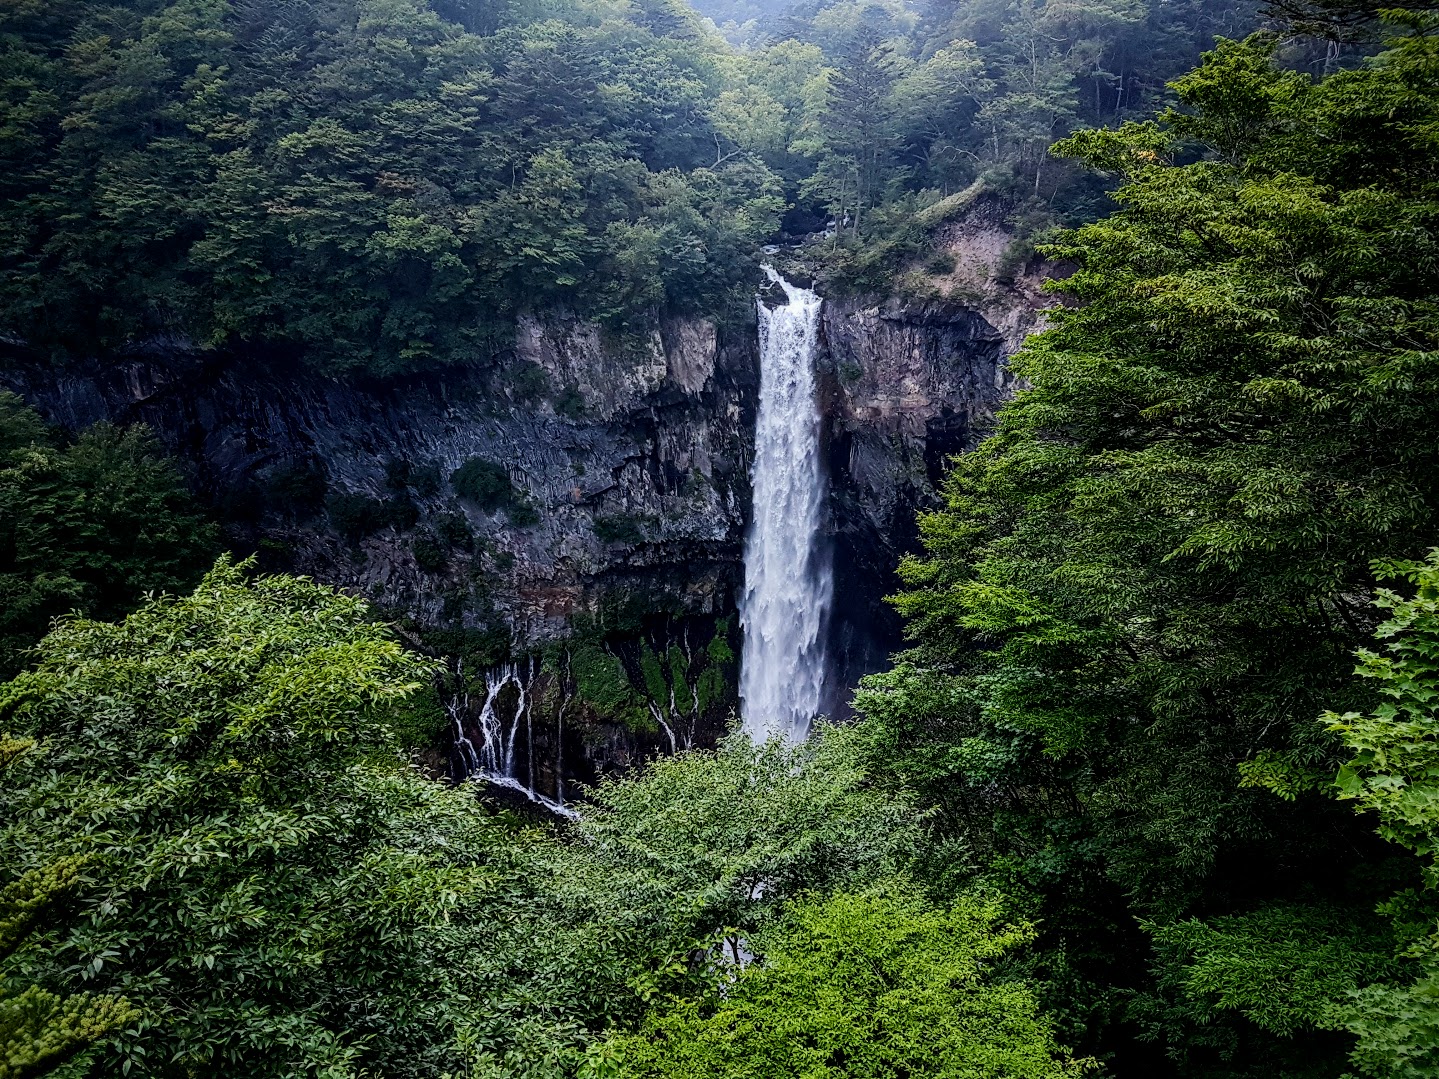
[92,525]
[379,184]
[1141,590]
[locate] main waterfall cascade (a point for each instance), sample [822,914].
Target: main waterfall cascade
[789,583]
[784,607]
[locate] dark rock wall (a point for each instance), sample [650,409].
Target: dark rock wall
[638,479]
[907,385]
[628,459]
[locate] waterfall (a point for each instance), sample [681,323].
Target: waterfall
[494,758]
[788,581]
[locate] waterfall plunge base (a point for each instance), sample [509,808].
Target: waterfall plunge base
[789,583]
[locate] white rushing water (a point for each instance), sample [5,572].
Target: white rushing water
[788,580]
[494,758]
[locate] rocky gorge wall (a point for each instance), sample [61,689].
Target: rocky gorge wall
[577,504]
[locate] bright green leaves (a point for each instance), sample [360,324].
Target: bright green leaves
[39,1030]
[1394,774]
[1395,768]
[215,783]
[860,986]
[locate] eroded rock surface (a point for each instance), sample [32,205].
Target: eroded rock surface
[609,526]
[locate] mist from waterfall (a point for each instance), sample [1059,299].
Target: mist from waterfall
[789,583]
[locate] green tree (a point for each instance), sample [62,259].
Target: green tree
[264,878]
[385,184]
[91,526]
[1140,588]
[866,985]
[703,848]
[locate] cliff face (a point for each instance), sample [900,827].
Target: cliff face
[908,385]
[580,501]
[626,461]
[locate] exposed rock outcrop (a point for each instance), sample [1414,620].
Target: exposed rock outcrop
[908,385]
[605,503]
[625,462]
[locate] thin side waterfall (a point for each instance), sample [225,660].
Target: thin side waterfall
[494,757]
[789,583]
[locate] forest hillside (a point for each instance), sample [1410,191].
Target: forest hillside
[1150,787]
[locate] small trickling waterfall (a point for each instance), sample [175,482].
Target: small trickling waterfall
[494,758]
[788,580]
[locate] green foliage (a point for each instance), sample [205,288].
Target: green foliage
[483,482]
[602,683]
[522,512]
[1394,774]
[90,526]
[890,120]
[299,489]
[355,515]
[570,403]
[1147,576]
[38,1030]
[1395,768]
[264,879]
[420,720]
[863,985]
[620,528]
[528,382]
[430,554]
[384,184]
[704,845]
[663,867]
[713,682]
[454,530]
[1283,966]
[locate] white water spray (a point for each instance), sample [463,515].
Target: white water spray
[788,581]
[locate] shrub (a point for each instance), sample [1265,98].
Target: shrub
[940,263]
[298,488]
[401,512]
[425,480]
[454,530]
[484,483]
[528,382]
[355,516]
[620,528]
[522,512]
[570,403]
[430,554]
[601,681]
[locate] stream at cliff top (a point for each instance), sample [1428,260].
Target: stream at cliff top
[789,583]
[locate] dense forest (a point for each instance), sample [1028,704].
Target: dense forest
[1153,788]
[381,185]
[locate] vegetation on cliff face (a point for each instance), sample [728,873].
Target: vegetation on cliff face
[90,526]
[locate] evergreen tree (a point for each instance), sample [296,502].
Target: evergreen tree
[1143,586]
